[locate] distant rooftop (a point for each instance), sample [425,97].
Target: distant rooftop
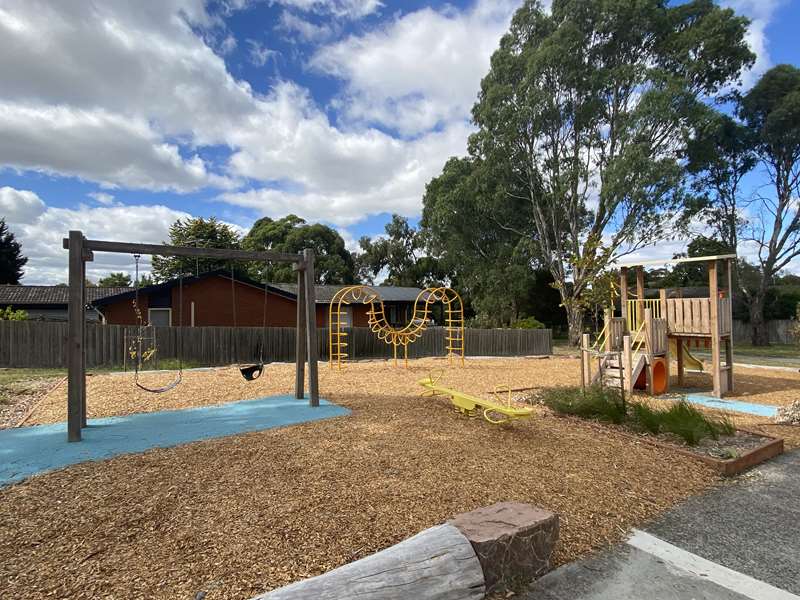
[48,295]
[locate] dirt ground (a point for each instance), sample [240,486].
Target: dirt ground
[239,515]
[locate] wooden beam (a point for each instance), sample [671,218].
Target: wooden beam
[729,345]
[716,366]
[311,328]
[300,340]
[639,296]
[676,261]
[623,296]
[76,376]
[162,250]
[83,336]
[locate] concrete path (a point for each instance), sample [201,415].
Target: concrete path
[26,451]
[739,541]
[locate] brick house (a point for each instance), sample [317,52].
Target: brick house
[208,302]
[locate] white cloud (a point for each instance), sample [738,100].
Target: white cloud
[259,54]
[422,69]
[228,45]
[19,206]
[306,30]
[102,198]
[350,9]
[136,95]
[97,146]
[760,12]
[41,237]
[342,177]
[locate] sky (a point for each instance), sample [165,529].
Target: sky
[119,117]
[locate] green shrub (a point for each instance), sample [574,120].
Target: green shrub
[604,404]
[9,314]
[646,417]
[527,323]
[691,425]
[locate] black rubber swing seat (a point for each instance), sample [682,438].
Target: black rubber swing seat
[252,372]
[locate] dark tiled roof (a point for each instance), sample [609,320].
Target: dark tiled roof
[29,295]
[325,293]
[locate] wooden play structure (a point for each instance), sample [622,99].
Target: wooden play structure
[495,411]
[634,349]
[396,337]
[81,251]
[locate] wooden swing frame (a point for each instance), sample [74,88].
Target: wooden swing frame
[81,251]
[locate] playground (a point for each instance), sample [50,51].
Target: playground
[229,482]
[237,515]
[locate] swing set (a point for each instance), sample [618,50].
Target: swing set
[81,251]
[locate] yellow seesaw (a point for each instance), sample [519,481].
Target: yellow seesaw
[494,412]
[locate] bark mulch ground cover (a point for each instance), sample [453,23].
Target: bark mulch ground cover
[239,515]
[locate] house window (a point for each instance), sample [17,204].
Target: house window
[160,317]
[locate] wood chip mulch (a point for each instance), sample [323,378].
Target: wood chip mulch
[236,516]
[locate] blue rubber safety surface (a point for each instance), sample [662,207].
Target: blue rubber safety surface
[26,451]
[762,410]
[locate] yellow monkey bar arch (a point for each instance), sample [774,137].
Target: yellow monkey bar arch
[395,337]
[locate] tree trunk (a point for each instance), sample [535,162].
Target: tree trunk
[575,323]
[759,336]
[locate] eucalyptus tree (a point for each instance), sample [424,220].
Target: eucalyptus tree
[771,109]
[590,105]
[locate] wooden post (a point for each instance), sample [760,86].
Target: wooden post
[83,338]
[607,314]
[648,340]
[586,367]
[713,293]
[729,346]
[300,339]
[627,364]
[679,357]
[76,376]
[623,297]
[662,309]
[639,296]
[311,328]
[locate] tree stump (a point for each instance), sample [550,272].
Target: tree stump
[513,541]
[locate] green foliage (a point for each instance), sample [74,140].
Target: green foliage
[601,403]
[527,323]
[116,280]
[9,314]
[401,255]
[646,417]
[606,404]
[691,425]
[333,263]
[585,112]
[771,109]
[11,258]
[197,232]
[480,235]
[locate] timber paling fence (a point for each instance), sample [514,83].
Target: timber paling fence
[31,344]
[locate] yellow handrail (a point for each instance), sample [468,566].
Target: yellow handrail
[635,318]
[601,337]
[638,339]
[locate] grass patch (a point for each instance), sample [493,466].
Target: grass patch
[605,404]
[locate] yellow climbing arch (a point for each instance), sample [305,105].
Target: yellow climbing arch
[395,337]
